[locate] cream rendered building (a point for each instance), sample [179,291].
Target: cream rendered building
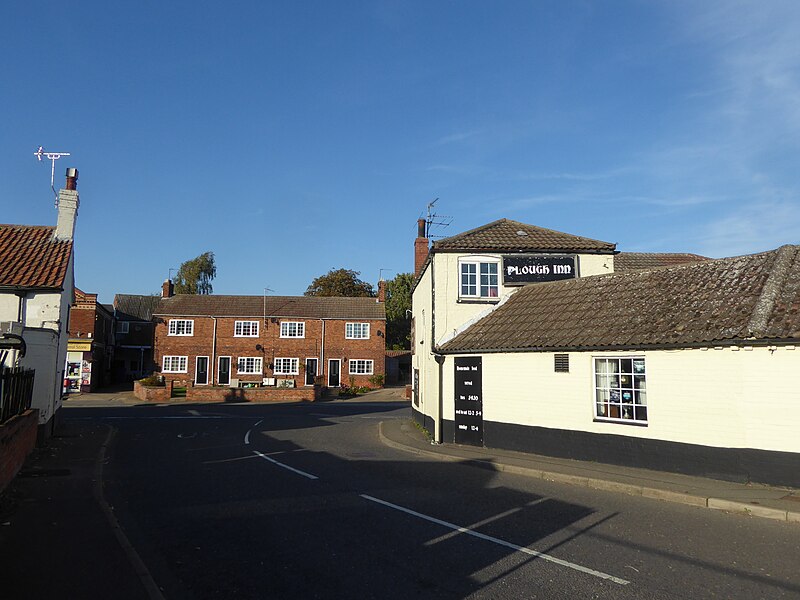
[691,368]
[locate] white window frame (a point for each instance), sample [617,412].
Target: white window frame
[299,329]
[356,331]
[257,368]
[123,327]
[479,262]
[368,366]
[188,327]
[611,387]
[182,365]
[280,364]
[239,328]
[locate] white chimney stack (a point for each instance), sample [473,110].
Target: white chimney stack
[68,203]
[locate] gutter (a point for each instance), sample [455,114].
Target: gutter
[764,342]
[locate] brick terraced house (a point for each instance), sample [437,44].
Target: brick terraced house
[286,341]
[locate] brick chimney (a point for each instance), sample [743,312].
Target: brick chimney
[167,289]
[381,291]
[420,247]
[68,203]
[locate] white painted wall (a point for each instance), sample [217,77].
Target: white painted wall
[45,318]
[452,316]
[727,398]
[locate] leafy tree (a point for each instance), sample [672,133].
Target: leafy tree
[340,282]
[195,275]
[398,321]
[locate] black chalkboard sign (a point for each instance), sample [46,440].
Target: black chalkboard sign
[520,269]
[469,400]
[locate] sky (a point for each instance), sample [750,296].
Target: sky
[291,138]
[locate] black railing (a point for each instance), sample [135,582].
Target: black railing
[16,392]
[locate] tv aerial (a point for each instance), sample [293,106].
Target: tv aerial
[435,220]
[52,157]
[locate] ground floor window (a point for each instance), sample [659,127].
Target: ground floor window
[286,366]
[361,367]
[248,365]
[174,364]
[620,389]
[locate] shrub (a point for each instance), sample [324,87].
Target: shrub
[377,380]
[153,381]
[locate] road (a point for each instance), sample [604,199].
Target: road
[304,501]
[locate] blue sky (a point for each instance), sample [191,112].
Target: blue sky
[290,138]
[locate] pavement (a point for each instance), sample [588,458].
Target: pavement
[755,500]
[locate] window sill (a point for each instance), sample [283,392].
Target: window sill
[621,421]
[478,300]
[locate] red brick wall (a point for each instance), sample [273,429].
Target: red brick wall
[81,321]
[17,439]
[151,394]
[204,393]
[273,346]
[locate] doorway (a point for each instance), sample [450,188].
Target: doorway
[311,370]
[334,369]
[201,371]
[224,370]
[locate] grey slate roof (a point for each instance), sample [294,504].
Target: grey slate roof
[309,307]
[135,307]
[630,261]
[754,297]
[506,235]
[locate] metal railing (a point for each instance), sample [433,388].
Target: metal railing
[16,392]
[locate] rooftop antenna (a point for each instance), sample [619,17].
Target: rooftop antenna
[52,157]
[266,289]
[169,273]
[435,220]
[380,273]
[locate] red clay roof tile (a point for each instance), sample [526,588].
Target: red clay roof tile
[30,257]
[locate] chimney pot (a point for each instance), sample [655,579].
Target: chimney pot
[72,178]
[421,228]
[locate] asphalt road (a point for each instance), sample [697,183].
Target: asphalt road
[303,501]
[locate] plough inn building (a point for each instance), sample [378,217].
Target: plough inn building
[539,341]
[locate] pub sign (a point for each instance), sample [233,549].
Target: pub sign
[519,269]
[469,400]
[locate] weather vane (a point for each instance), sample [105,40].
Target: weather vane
[52,157]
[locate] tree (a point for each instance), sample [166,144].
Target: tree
[398,320]
[340,282]
[195,275]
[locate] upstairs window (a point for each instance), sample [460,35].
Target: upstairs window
[479,279]
[181,327]
[123,326]
[245,329]
[356,331]
[293,329]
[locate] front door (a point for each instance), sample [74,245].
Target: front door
[311,370]
[334,365]
[224,371]
[201,372]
